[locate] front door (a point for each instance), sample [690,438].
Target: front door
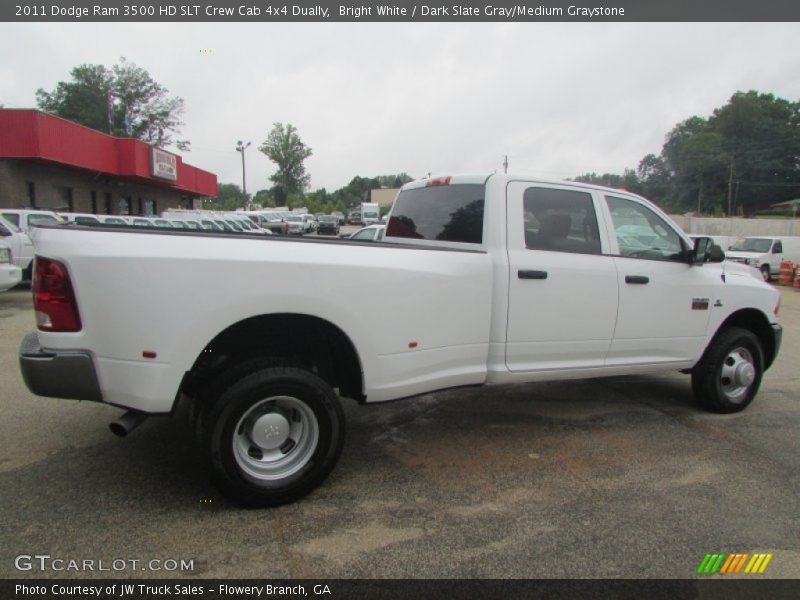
[664,302]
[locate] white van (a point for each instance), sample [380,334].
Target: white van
[765,253]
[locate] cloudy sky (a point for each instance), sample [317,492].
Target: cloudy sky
[370,99]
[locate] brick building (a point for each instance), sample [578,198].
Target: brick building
[50,163]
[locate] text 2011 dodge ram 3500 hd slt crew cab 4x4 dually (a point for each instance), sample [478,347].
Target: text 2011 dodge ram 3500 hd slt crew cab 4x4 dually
[488,280]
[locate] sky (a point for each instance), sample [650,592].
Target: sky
[376,98]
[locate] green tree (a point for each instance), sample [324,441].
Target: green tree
[229,197]
[123,100]
[285,148]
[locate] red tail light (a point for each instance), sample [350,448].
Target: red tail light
[53,298]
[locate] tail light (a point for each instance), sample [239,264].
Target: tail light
[53,297]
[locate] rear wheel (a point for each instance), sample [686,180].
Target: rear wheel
[272,435]
[728,376]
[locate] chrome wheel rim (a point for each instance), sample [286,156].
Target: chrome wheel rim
[738,374]
[275,438]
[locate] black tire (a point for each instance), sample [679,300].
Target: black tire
[722,381]
[765,273]
[230,419]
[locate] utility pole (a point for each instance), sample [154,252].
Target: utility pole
[241,147]
[505,164]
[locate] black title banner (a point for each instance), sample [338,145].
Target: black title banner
[270,11]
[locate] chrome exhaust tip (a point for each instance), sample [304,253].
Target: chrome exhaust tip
[127,422]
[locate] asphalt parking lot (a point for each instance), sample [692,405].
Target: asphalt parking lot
[622,477]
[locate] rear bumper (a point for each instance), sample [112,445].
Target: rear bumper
[66,374]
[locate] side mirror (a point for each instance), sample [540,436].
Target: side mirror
[4,232]
[705,250]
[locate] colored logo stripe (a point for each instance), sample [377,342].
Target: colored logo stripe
[733,563]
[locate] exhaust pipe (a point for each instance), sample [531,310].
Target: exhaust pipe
[127,423]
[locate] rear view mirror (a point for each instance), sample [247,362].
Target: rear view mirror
[705,250]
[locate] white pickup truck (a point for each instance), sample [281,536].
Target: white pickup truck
[487,279]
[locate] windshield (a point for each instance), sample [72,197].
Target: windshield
[295,219]
[327,219]
[34,220]
[752,245]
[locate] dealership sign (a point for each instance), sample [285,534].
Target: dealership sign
[163,164]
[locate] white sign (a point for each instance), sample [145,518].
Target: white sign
[163,164]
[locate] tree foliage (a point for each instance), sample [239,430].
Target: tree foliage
[123,100]
[744,157]
[284,147]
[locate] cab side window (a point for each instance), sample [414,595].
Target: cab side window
[778,247]
[11,218]
[560,221]
[641,233]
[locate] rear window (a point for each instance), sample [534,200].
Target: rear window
[444,213]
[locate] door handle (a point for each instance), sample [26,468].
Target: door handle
[523,274]
[637,279]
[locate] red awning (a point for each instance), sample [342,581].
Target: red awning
[32,134]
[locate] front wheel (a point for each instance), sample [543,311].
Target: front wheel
[272,436]
[765,274]
[728,376]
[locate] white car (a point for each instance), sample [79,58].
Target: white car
[10,274]
[370,233]
[25,218]
[297,224]
[81,218]
[20,245]
[114,219]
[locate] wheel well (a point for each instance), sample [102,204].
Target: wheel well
[303,340]
[755,321]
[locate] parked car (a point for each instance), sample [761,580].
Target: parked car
[80,218]
[309,223]
[20,245]
[354,218]
[339,217]
[370,233]
[142,222]
[114,219]
[765,253]
[297,225]
[25,218]
[327,225]
[10,274]
[263,336]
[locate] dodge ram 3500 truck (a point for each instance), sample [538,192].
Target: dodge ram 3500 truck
[488,279]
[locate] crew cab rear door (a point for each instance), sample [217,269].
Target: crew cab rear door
[562,287]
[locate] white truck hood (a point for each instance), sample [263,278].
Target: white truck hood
[735,268]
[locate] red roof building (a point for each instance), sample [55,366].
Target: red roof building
[52,163]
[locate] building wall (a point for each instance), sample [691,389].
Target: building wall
[737,227]
[383,196]
[54,186]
